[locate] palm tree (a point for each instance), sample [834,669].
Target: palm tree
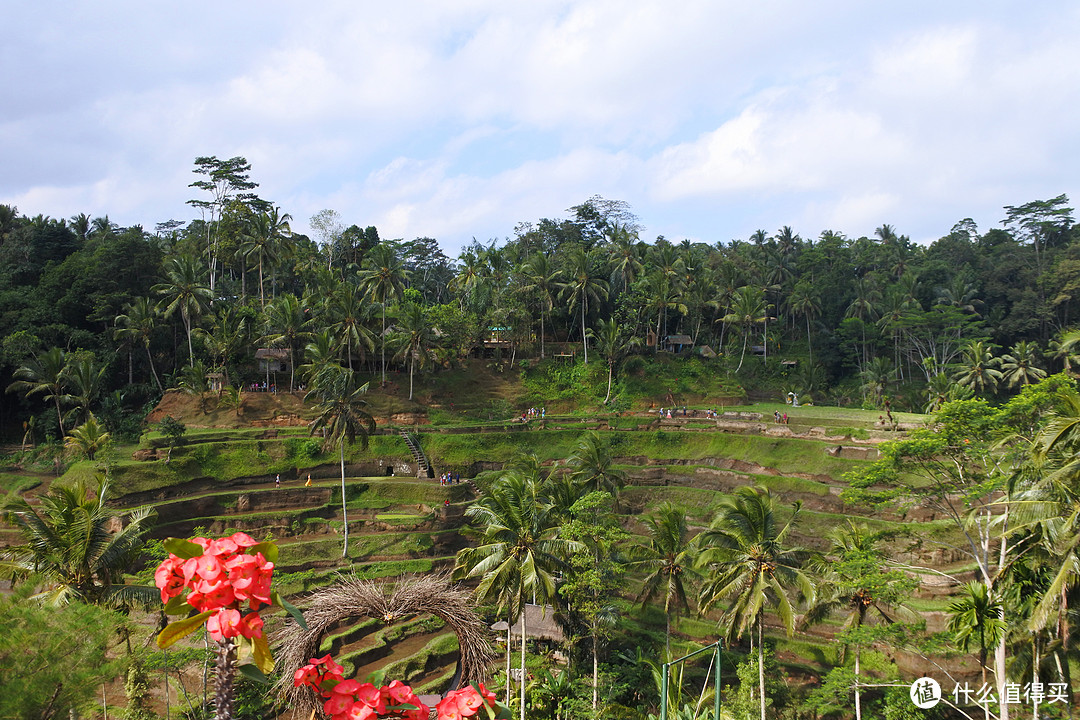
[624,255]
[1019,367]
[804,300]
[68,540]
[321,353]
[286,322]
[184,290]
[613,346]
[416,337]
[542,279]
[341,414]
[137,326]
[976,619]
[263,238]
[88,438]
[519,552]
[864,306]
[978,368]
[45,375]
[85,380]
[593,467]
[878,374]
[351,313]
[580,286]
[748,563]
[747,309]
[669,559]
[854,580]
[383,279]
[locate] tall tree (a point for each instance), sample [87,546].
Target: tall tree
[542,279]
[750,564]
[225,180]
[613,346]
[581,285]
[383,279]
[669,560]
[286,326]
[341,413]
[520,551]
[45,375]
[416,337]
[137,324]
[183,290]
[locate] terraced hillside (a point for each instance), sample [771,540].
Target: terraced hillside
[223,480]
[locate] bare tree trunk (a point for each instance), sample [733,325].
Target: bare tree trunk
[523,663]
[509,625]
[761,666]
[344,509]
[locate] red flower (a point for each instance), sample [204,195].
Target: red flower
[251,626]
[447,709]
[223,624]
[169,577]
[468,700]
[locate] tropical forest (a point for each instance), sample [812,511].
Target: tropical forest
[570,473]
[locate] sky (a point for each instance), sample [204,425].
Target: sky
[461,119]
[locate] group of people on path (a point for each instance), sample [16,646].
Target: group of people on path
[527,415]
[277,480]
[449,478]
[780,419]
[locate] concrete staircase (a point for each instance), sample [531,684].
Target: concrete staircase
[423,465]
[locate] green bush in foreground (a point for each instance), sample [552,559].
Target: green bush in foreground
[53,660]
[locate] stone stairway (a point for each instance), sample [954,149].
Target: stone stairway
[423,466]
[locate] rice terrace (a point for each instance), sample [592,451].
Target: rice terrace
[575,475]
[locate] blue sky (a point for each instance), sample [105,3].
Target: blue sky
[461,119]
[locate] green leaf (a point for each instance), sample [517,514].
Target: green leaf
[183,548]
[177,605]
[181,628]
[268,549]
[251,672]
[289,608]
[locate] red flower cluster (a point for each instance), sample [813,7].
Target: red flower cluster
[221,580]
[352,700]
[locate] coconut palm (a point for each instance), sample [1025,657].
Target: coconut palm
[624,255]
[137,326]
[351,315]
[854,581]
[579,287]
[68,540]
[287,324]
[978,368]
[976,619]
[519,553]
[804,300]
[748,563]
[1020,366]
[262,241]
[45,375]
[877,376]
[416,337]
[184,290]
[612,345]
[383,279]
[544,280]
[593,467]
[669,559]
[88,438]
[341,414]
[747,309]
[85,380]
